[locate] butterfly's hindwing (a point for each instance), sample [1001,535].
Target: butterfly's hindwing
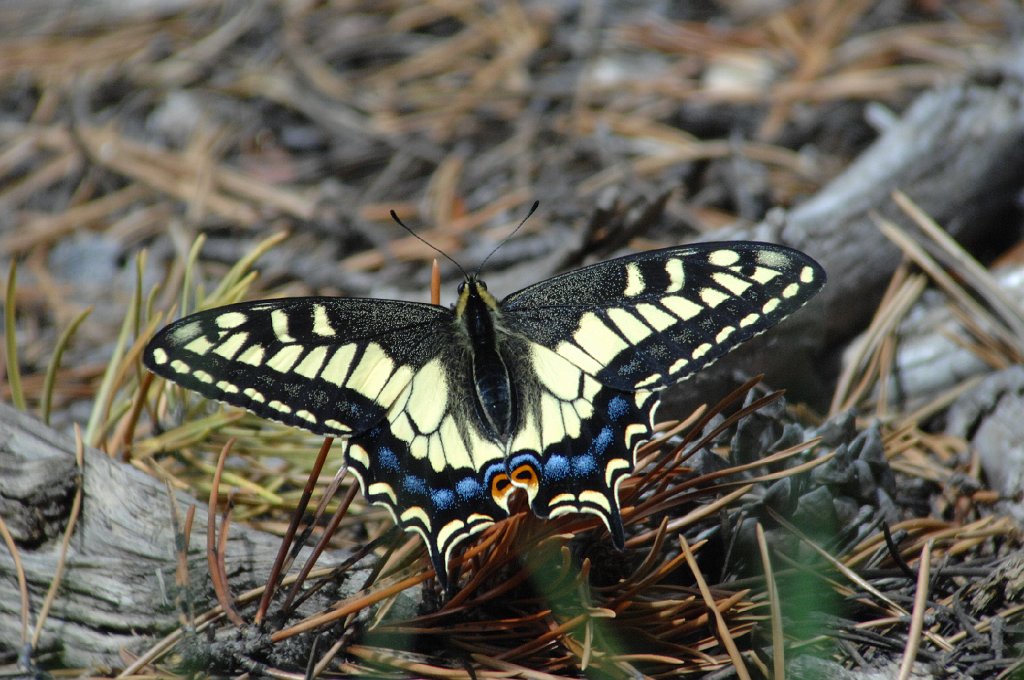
[650,320]
[431,462]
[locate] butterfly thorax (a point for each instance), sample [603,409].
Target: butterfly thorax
[476,312]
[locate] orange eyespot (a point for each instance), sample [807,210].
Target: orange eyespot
[525,476]
[501,486]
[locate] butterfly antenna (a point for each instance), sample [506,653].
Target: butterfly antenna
[533,209]
[430,245]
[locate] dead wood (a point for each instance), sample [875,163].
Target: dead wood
[958,153]
[118,588]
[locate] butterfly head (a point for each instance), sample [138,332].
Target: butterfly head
[474,297]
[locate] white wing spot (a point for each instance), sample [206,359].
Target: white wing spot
[252,356]
[724,334]
[200,345]
[627,324]
[734,285]
[321,324]
[770,306]
[790,290]
[749,319]
[285,358]
[226,387]
[634,280]
[806,275]
[180,366]
[712,298]
[681,307]
[203,376]
[558,375]
[306,415]
[382,489]
[701,350]
[229,320]
[337,368]
[310,366]
[427,400]
[649,380]
[676,279]
[634,430]
[449,530]
[656,317]
[253,394]
[182,334]
[372,373]
[763,275]
[338,425]
[416,513]
[612,467]
[159,357]
[724,258]
[597,339]
[279,322]
[230,347]
[676,367]
[354,451]
[595,498]
[279,406]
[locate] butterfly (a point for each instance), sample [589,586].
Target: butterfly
[444,412]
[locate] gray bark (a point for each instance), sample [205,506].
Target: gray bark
[117,591]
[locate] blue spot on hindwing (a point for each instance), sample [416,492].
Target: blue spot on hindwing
[387,459]
[468,488]
[617,407]
[583,465]
[443,499]
[414,484]
[602,441]
[556,467]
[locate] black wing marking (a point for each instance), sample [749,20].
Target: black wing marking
[332,366]
[650,320]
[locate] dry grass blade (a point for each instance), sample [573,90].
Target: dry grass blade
[917,616]
[866,366]
[985,325]
[65,545]
[19,571]
[215,547]
[1009,311]
[724,634]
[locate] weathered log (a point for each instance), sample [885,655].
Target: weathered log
[958,152]
[117,591]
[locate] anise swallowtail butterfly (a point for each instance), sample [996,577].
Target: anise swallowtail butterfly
[444,412]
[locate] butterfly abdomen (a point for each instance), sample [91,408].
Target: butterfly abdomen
[492,386]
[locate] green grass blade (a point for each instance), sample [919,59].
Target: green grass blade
[10,336]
